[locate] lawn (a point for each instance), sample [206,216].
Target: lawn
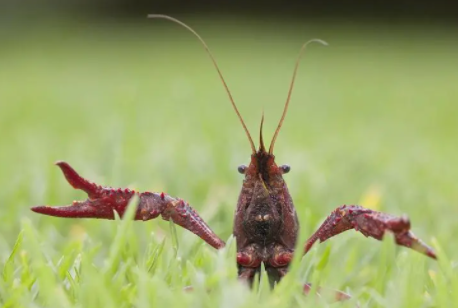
[372,121]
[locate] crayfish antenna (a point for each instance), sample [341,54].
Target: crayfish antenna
[253,148]
[285,109]
[262,148]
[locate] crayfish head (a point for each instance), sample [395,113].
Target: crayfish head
[263,167]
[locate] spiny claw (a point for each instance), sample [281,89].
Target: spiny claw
[99,204]
[408,239]
[77,181]
[400,228]
[104,201]
[79,209]
[370,223]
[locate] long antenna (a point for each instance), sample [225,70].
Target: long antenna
[285,109]
[262,148]
[217,69]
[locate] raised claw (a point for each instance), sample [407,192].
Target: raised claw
[77,181]
[104,201]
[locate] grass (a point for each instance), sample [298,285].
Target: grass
[372,121]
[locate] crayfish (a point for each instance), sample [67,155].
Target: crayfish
[266,225]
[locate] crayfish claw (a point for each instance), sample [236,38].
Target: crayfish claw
[79,209]
[78,182]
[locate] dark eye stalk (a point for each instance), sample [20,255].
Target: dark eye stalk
[285,168]
[242,169]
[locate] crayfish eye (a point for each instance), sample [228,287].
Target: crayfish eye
[285,168]
[242,169]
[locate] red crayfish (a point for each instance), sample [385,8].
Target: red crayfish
[265,223]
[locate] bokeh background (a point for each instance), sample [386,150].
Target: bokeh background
[135,102]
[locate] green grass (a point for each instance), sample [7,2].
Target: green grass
[373,117]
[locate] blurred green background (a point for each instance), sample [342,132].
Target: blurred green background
[137,103]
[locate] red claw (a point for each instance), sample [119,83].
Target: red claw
[104,201]
[77,181]
[370,223]
[77,210]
